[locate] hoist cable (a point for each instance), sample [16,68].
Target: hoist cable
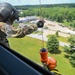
[42,27]
[42,38]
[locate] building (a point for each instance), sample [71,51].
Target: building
[31,18]
[22,19]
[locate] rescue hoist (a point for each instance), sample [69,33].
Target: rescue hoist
[48,63]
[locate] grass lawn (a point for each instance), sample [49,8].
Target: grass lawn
[29,47]
[67,23]
[61,38]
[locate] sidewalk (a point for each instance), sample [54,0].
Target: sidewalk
[39,36]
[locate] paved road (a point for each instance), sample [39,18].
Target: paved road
[39,36]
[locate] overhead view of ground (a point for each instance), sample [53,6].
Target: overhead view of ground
[37,36]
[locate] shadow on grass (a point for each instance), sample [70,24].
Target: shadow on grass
[66,56]
[55,52]
[73,65]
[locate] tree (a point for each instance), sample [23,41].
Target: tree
[71,40]
[70,16]
[68,50]
[73,24]
[71,49]
[60,18]
[72,59]
[57,33]
[52,44]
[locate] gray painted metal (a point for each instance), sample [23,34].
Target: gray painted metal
[13,65]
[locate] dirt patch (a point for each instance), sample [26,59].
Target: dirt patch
[53,27]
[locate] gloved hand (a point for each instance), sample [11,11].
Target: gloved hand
[40,23]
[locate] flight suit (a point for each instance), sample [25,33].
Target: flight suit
[3,38]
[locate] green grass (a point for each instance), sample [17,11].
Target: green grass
[29,47]
[37,32]
[63,64]
[67,23]
[15,24]
[61,38]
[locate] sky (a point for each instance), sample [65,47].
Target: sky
[35,2]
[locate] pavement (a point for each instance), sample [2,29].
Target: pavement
[39,36]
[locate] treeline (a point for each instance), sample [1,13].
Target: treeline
[24,7]
[64,14]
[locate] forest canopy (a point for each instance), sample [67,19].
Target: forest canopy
[63,13]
